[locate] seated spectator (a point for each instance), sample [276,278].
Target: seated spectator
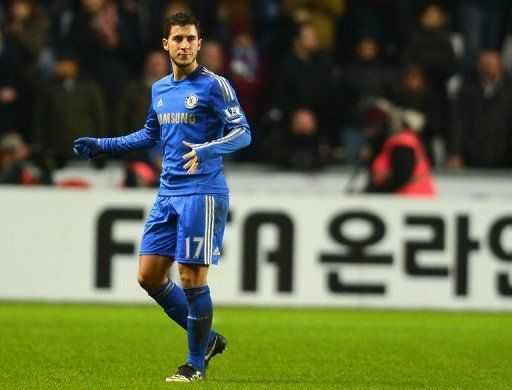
[171,7]
[245,72]
[304,149]
[27,30]
[481,124]
[368,76]
[231,16]
[306,79]
[482,24]
[322,14]
[376,18]
[105,46]
[213,58]
[271,28]
[415,93]
[8,86]
[19,165]
[430,47]
[66,109]
[136,97]
[364,78]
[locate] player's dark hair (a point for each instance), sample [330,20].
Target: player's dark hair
[180,19]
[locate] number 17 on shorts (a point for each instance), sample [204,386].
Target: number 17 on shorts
[201,229]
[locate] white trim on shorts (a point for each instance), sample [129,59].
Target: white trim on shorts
[209,205]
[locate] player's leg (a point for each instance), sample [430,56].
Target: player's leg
[153,277]
[201,226]
[200,312]
[157,249]
[199,322]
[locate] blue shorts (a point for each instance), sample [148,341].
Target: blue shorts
[188,228]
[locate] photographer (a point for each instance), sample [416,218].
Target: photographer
[398,163]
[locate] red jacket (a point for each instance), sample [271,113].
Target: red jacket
[421,182]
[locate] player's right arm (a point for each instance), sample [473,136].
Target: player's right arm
[89,148]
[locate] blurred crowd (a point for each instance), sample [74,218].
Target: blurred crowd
[303,70]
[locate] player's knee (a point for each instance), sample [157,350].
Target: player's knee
[191,281]
[149,283]
[192,276]
[143,282]
[187,281]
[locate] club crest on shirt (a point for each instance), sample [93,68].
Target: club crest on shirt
[233,113]
[191,101]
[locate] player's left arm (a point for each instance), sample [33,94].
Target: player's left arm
[224,103]
[89,148]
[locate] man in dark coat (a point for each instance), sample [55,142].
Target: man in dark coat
[481,131]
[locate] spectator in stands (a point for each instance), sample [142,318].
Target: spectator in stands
[213,57]
[414,92]
[171,7]
[231,16]
[481,125]
[27,29]
[369,18]
[481,24]
[306,79]
[104,45]
[9,65]
[430,47]
[271,28]
[65,109]
[175,6]
[305,150]
[140,16]
[367,76]
[363,78]
[245,71]
[18,164]
[135,100]
[322,14]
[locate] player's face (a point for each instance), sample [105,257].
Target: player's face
[183,45]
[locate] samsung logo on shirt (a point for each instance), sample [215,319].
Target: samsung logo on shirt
[176,117]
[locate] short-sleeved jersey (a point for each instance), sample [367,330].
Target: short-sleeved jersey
[197,109]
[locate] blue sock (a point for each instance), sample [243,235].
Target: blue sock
[173,301]
[199,323]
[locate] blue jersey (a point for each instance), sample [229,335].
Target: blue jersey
[198,109]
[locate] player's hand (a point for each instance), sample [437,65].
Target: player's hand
[87,148]
[193,162]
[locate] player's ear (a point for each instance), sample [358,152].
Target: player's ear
[165,44]
[199,43]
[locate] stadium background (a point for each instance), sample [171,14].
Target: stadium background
[302,235]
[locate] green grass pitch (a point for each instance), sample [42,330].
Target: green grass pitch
[102,346]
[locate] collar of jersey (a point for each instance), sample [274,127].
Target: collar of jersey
[190,76]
